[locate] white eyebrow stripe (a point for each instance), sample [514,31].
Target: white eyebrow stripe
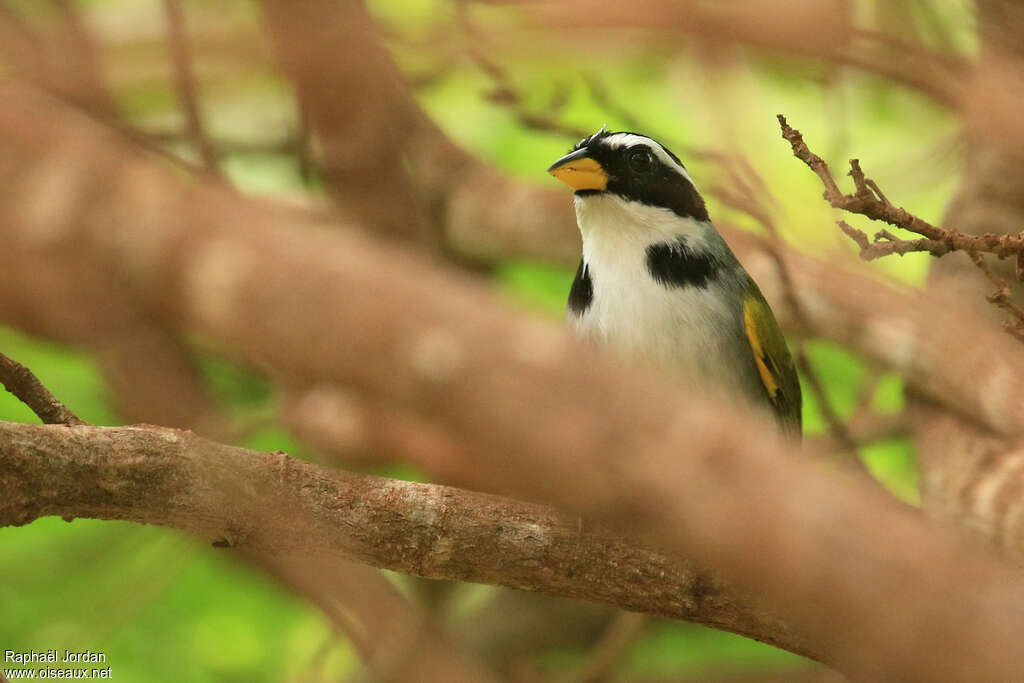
[617,140]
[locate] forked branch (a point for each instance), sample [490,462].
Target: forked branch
[869,200]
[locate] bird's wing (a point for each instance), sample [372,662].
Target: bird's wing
[771,356]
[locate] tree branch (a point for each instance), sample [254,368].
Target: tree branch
[868,200]
[271,504]
[185,85]
[966,474]
[1002,297]
[396,640]
[362,133]
[20,381]
[777,27]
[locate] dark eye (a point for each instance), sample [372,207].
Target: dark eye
[640,160]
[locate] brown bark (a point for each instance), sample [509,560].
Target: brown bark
[150,371]
[967,473]
[20,381]
[270,504]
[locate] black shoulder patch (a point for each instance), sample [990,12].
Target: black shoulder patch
[582,292]
[675,264]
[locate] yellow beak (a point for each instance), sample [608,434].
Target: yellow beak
[580,172]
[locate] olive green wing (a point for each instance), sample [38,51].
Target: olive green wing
[772,359]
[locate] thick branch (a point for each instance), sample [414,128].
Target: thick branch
[965,473]
[270,503]
[972,478]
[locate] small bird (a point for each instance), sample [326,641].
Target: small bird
[658,283]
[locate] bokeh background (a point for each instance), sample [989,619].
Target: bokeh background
[510,89]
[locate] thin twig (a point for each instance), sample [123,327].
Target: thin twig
[836,427]
[869,200]
[866,429]
[503,92]
[607,652]
[747,202]
[27,388]
[303,145]
[185,84]
[741,172]
[1001,298]
[601,94]
[866,391]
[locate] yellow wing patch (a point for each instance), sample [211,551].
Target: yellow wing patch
[772,360]
[769,380]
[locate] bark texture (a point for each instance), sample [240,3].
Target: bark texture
[271,504]
[970,473]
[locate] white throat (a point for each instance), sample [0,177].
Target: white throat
[616,229]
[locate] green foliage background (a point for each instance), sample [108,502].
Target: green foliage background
[163,607]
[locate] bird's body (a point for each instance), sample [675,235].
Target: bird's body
[650,291]
[658,284]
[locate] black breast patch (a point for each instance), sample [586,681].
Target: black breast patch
[582,291]
[675,264]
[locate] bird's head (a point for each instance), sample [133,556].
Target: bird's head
[630,168]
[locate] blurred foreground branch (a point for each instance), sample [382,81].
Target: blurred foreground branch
[396,641]
[865,582]
[774,27]
[321,41]
[967,473]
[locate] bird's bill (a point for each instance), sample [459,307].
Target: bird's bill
[579,171]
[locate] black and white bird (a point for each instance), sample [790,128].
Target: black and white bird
[657,282]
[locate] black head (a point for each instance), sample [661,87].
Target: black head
[633,167]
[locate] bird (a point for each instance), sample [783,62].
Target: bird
[658,284]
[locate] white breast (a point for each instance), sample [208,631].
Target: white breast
[681,331]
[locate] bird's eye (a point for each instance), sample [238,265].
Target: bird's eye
[640,160]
